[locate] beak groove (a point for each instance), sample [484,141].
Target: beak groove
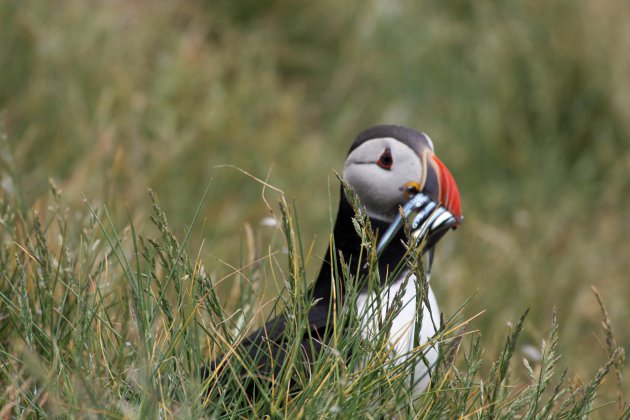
[448,191]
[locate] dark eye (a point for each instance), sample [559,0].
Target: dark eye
[386,160]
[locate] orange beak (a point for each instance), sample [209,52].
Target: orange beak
[448,191]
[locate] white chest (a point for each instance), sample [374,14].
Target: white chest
[374,308]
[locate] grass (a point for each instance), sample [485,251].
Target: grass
[118,324]
[526,103]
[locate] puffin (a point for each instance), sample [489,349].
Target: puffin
[409,197]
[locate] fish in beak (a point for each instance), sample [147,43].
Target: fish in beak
[433,208]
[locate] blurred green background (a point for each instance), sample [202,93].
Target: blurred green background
[528,104]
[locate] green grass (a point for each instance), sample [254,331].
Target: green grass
[526,103]
[118,324]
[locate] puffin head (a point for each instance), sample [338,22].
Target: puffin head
[388,165]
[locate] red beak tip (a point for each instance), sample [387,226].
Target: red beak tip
[449,193]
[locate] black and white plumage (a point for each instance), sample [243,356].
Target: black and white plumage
[391,169]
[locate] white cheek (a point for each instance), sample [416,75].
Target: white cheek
[379,189]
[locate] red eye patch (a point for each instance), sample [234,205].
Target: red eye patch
[386,161]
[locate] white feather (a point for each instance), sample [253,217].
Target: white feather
[401,334]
